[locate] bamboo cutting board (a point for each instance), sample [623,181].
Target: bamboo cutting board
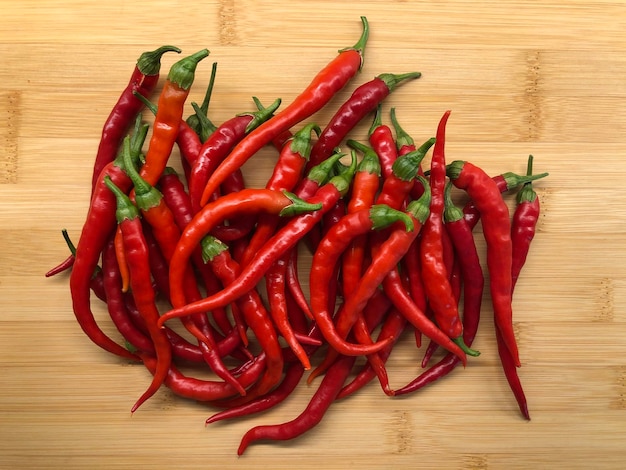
[537,77]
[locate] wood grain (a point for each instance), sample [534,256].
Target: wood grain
[537,77]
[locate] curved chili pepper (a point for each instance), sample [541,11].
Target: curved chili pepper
[382,141]
[292,377]
[167,234]
[141,284]
[330,80]
[364,189]
[65,264]
[314,412]
[323,265]
[285,176]
[177,199]
[218,146]
[169,115]
[363,100]
[143,80]
[205,390]
[473,282]
[255,314]
[248,201]
[284,240]
[98,227]
[497,232]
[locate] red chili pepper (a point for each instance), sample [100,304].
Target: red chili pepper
[285,176]
[67,263]
[312,415]
[248,201]
[364,189]
[169,115]
[255,314]
[363,100]
[523,228]
[205,390]
[143,80]
[473,281]
[178,201]
[97,229]
[330,80]
[218,146]
[141,284]
[328,254]
[434,272]
[292,377]
[497,232]
[382,141]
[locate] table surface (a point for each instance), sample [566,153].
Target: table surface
[541,77]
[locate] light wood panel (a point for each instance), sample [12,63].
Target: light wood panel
[545,78]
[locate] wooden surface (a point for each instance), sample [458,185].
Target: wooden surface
[540,77]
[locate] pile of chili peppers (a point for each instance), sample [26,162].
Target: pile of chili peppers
[199,272]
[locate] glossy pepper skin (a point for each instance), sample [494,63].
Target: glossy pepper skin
[497,232]
[326,84]
[143,81]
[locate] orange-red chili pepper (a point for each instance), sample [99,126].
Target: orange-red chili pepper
[169,115]
[330,80]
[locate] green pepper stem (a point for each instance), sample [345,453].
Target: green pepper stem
[301,142]
[403,139]
[361,43]
[125,210]
[182,73]
[420,208]
[262,115]
[464,347]
[343,180]
[211,247]
[148,104]
[146,195]
[377,121]
[451,213]
[149,63]
[205,126]
[392,80]
[297,206]
[527,193]
[194,120]
[321,172]
[406,166]
[68,241]
[383,216]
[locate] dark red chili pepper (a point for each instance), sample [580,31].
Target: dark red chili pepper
[496,224]
[473,282]
[141,284]
[292,377]
[219,145]
[97,229]
[169,115]
[382,141]
[363,100]
[330,80]
[285,176]
[143,80]
[177,199]
[320,402]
